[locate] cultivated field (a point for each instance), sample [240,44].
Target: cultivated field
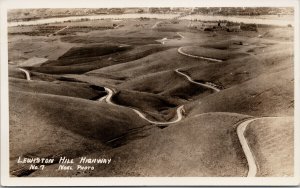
[160,97]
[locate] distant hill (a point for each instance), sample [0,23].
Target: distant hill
[32,14]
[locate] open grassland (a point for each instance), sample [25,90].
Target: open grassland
[211,53]
[160,107]
[195,147]
[71,89]
[272,143]
[44,125]
[254,97]
[87,78]
[84,59]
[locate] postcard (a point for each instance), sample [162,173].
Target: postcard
[149,93]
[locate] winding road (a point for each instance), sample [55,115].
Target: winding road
[198,83]
[108,100]
[27,73]
[249,156]
[197,57]
[164,40]
[156,24]
[182,37]
[61,30]
[241,127]
[180,110]
[108,97]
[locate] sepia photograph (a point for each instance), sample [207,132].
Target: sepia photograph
[151,91]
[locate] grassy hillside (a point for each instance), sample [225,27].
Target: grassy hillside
[92,51]
[14,72]
[270,59]
[211,52]
[165,83]
[123,54]
[21,48]
[131,34]
[72,89]
[271,141]
[80,60]
[203,145]
[77,69]
[55,114]
[157,62]
[155,106]
[266,95]
[88,125]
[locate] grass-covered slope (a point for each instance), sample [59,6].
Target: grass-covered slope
[44,125]
[72,89]
[272,144]
[204,145]
[266,95]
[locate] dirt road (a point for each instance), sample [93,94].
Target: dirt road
[108,100]
[108,97]
[182,37]
[249,156]
[198,83]
[156,24]
[61,30]
[198,57]
[179,111]
[27,73]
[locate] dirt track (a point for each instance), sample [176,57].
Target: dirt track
[26,73]
[198,83]
[249,156]
[179,110]
[247,150]
[197,57]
